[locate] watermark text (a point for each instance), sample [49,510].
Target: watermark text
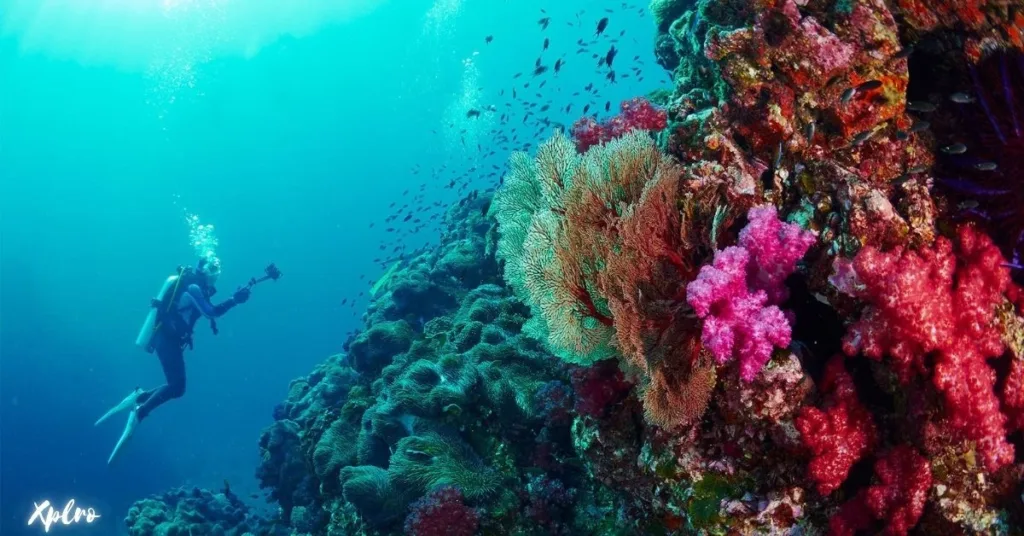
[47,516]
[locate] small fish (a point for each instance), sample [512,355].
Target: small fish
[920,106]
[870,85]
[961,98]
[601,25]
[611,76]
[488,39]
[586,108]
[920,126]
[541,69]
[558,65]
[902,136]
[917,169]
[778,157]
[610,56]
[904,53]
[847,95]
[544,23]
[607,106]
[955,148]
[986,166]
[809,131]
[863,137]
[970,204]
[473,113]
[547,43]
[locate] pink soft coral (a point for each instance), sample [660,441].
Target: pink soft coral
[737,294]
[775,247]
[937,301]
[636,114]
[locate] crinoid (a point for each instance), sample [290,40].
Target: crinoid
[980,150]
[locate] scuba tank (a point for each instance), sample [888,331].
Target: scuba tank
[149,327]
[162,305]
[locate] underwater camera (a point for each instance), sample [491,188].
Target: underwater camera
[271,271]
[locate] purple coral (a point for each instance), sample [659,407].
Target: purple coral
[598,387]
[737,295]
[554,403]
[550,503]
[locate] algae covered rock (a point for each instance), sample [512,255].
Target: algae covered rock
[194,512]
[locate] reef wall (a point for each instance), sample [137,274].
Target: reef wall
[780,298]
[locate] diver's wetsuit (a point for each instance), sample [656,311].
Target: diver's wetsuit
[175,333]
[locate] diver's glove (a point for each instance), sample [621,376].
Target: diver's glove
[241,295]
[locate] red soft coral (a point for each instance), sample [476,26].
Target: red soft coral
[904,479]
[938,301]
[838,436]
[898,497]
[1013,395]
[442,513]
[636,114]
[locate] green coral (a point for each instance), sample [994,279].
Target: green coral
[336,449]
[375,348]
[667,11]
[844,7]
[370,491]
[426,461]
[706,499]
[425,388]
[358,400]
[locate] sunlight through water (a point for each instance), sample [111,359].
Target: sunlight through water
[168,41]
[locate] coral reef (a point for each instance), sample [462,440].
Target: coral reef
[781,302]
[195,512]
[636,114]
[792,213]
[441,512]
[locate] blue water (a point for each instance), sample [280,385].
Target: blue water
[291,149]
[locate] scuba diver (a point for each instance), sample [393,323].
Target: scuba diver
[183,299]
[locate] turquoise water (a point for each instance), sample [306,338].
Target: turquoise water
[291,130]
